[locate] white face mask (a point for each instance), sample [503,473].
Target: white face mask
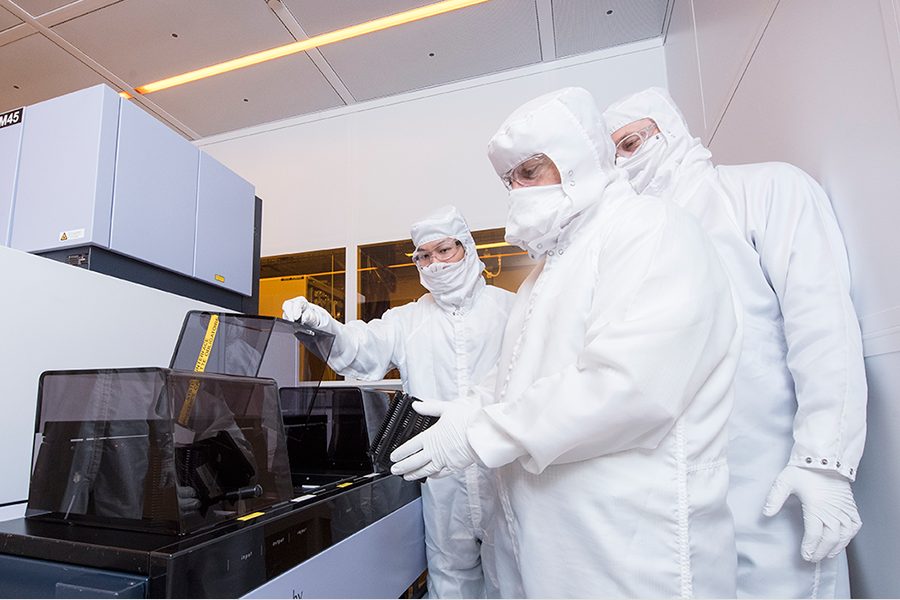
[452,284]
[643,165]
[440,277]
[534,217]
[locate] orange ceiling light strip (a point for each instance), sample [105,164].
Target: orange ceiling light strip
[313,42]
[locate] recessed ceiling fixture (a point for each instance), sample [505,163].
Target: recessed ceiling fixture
[313,42]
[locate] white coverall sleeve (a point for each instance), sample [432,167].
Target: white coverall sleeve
[802,253]
[482,393]
[662,319]
[367,351]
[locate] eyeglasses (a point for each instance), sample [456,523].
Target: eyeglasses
[444,251]
[528,172]
[629,144]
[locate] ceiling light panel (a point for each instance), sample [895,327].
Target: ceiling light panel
[146,40]
[458,45]
[582,26]
[270,91]
[33,69]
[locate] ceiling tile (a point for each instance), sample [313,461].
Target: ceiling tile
[7,19]
[323,16]
[143,41]
[587,25]
[266,92]
[36,8]
[34,69]
[465,43]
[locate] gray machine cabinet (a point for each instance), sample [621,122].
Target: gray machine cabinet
[96,172]
[155,195]
[225,207]
[10,145]
[66,171]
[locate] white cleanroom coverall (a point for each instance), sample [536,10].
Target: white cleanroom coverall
[608,432]
[800,388]
[442,344]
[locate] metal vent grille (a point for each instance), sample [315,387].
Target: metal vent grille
[587,25]
[466,43]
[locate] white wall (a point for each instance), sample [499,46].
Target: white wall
[56,316]
[814,83]
[362,174]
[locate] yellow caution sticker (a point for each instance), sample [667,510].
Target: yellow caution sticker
[205,351]
[188,405]
[73,234]
[206,348]
[220,278]
[343,485]
[251,516]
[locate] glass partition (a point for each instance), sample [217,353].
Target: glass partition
[319,276]
[386,277]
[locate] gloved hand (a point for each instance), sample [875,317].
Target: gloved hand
[830,518]
[440,450]
[309,314]
[187,498]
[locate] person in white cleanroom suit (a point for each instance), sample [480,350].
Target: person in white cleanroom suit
[442,344]
[799,421]
[607,429]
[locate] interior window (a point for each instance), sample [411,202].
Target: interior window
[387,276]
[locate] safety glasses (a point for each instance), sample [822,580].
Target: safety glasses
[442,251]
[629,144]
[528,172]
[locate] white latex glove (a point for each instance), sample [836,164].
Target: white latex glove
[440,450]
[830,518]
[187,498]
[309,314]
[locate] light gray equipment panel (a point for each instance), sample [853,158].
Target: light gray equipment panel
[10,145]
[379,561]
[224,248]
[66,170]
[155,195]
[99,175]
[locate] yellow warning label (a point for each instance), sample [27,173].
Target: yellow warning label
[189,402]
[250,516]
[63,237]
[220,278]
[343,485]
[194,387]
[206,349]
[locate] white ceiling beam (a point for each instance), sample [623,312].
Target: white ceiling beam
[290,22]
[545,29]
